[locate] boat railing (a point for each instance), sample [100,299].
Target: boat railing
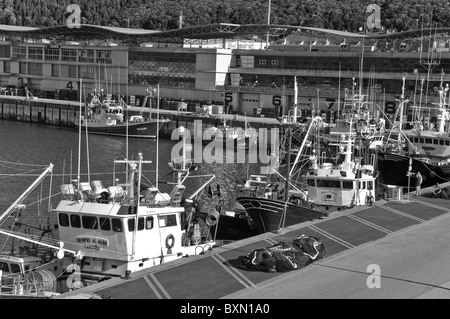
[17,284]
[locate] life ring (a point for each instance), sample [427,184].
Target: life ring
[369,200]
[109,121]
[170,241]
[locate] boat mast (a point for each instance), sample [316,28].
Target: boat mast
[288,175]
[157,135]
[442,96]
[79,140]
[403,100]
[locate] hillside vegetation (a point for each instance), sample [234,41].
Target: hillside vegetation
[347,15]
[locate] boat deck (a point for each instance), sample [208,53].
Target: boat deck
[351,237]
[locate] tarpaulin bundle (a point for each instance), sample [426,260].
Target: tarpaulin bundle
[285,256]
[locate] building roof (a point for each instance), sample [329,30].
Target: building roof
[211,31]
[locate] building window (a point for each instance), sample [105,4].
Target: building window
[52,54]
[5,51]
[23,68]
[7,66]
[87,72]
[72,71]
[85,55]
[35,68]
[69,55]
[35,53]
[104,56]
[55,70]
[20,52]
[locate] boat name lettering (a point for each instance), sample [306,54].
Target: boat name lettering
[94,247]
[93,240]
[10,258]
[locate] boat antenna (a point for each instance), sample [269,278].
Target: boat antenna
[79,140]
[157,135]
[87,141]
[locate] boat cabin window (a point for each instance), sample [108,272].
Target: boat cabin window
[441,142]
[149,222]
[422,140]
[362,185]
[369,185]
[90,222]
[105,223]
[64,220]
[131,224]
[428,141]
[14,268]
[116,224]
[435,141]
[447,143]
[141,223]
[328,183]
[311,182]
[167,220]
[75,221]
[4,266]
[347,185]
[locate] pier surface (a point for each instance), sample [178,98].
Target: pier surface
[394,249]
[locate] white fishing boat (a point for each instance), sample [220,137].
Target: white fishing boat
[110,117]
[120,229]
[343,185]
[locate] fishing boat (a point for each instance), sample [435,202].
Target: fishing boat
[124,228]
[35,263]
[269,199]
[417,149]
[227,225]
[344,184]
[111,117]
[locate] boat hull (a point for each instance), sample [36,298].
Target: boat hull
[231,228]
[393,170]
[267,214]
[147,129]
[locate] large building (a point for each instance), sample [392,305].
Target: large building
[250,69]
